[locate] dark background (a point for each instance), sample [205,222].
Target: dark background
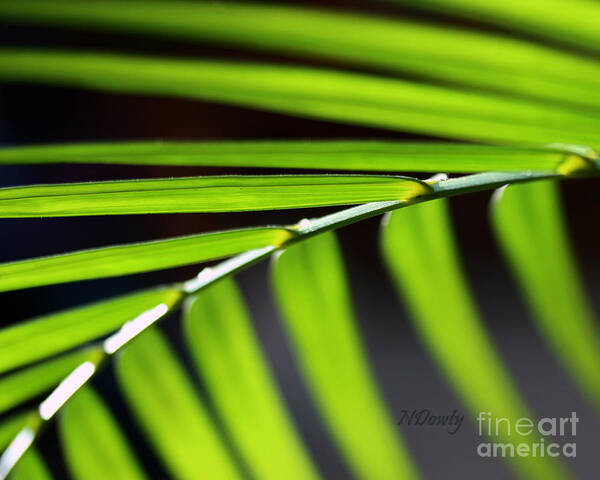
[408,378]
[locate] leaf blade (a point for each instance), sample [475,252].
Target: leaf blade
[203,194]
[135,258]
[315,93]
[32,381]
[227,356]
[311,290]
[31,467]
[93,443]
[169,411]
[420,252]
[328,155]
[469,58]
[548,19]
[43,336]
[530,228]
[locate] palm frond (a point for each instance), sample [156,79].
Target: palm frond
[534,104]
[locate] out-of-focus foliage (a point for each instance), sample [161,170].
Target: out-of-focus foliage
[311,287]
[530,227]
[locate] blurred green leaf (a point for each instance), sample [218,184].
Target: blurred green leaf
[9,427]
[421,254]
[325,155]
[31,467]
[43,336]
[347,97]
[440,52]
[228,357]
[30,382]
[135,258]
[312,293]
[531,230]
[164,402]
[93,443]
[576,22]
[203,194]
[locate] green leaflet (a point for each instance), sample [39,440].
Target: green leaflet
[576,22]
[346,97]
[43,336]
[168,410]
[324,155]
[9,427]
[529,224]
[203,194]
[135,258]
[420,253]
[312,293]
[31,467]
[93,443]
[228,357]
[461,56]
[30,382]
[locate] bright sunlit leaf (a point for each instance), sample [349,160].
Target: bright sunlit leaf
[399,45]
[326,94]
[135,258]
[203,194]
[10,426]
[31,467]
[229,359]
[531,229]
[421,254]
[325,155]
[43,336]
[93,443]
[30,382]
[576,22]
[312,292]
[176,422]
